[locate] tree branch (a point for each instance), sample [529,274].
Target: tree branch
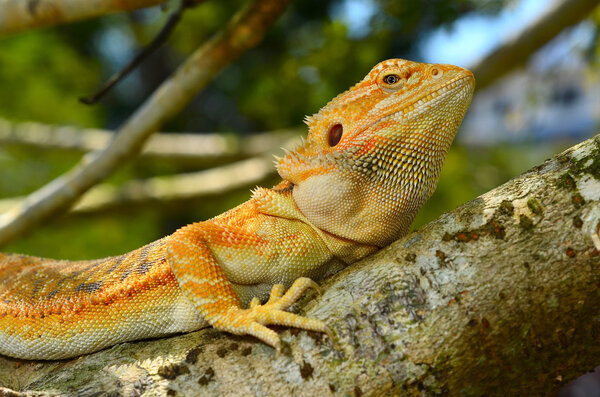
[20,15]
[188,148]
[496,297]
[519,47]
[244,31]
[171,190]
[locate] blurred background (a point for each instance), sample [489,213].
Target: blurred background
[315,51]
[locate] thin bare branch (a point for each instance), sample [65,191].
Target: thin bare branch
[244,31]
[158,41]
[188,148]
[518,48]
[171,190]
[20,15]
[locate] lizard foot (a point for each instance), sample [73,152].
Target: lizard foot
[252,321]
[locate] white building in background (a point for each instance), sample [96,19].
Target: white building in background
[536,105]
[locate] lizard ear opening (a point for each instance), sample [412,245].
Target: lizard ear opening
[335,134]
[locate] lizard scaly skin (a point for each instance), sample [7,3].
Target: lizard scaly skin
[372,158]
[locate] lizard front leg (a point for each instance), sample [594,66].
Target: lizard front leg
[205,283]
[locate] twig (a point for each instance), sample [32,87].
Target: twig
[159,40]
[188,148]
[174,189]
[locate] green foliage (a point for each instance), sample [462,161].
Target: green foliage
[26,170]
[90,237]
[41,77]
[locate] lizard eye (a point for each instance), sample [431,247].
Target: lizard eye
[391,82]
[391,79]
[335,134]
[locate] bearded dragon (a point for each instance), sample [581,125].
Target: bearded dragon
[372,157]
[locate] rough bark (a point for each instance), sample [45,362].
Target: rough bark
[498,297]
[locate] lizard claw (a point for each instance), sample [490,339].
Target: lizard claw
[253,321]
[282,301]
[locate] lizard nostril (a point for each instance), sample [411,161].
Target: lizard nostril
[335,134]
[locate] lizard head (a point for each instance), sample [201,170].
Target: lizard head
[373,154]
